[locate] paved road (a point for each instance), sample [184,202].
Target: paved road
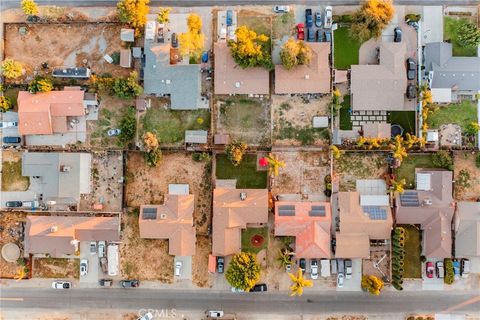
[5,4]
[185,301]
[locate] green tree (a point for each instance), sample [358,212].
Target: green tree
[11,69]
[235,151]
[127,88]
[372,284]
[134,13]
[295,52]
[285,257]
[443,159]
[29,7]
[370,20]
[251,49]
[5,104]
[468,35]
[299,282]
[164,15]
[40,84]
[128,127]
[243,271]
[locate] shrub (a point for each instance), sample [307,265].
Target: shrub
[11,69]
[477,160]
[449,273]
[201,156]
[413,17]
[128,126]
[127,88]
[5,104]
[243,271]
[115,57]
[372,284]
[235,151]
[40,84]
[346,18]
[443,159]
[423,259]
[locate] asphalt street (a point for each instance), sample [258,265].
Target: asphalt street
[6,4]
[196,300]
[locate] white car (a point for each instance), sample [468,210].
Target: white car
[113,132]
[348,269]
[281,9]
[146,316]
[83,267]
[93,247]
[178,268]
[237,290]
[314,269]
[8,124]
[328,17]
[215,314]
[101,249]
[59,284]
[340,279]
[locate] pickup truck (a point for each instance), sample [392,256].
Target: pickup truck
[309,18]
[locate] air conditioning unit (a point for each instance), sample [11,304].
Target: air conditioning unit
[65,168]
[163,216]
[243,196]
[427,202]
[53,229]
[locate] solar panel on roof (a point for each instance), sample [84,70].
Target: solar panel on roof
[317,211]
[149,213]
[409,199]
[287,210]
[375,213]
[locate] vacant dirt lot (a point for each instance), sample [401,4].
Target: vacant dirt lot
[64,45]
[304,172]
[200,275]
[106,178]
[11,230]
[358,165]
[56,268]
[12,179]
[465,161]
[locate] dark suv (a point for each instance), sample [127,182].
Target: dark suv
[220,264]
[411,91]
[130,283]
[13,204]
[411,69]
[259,288]
[397,35]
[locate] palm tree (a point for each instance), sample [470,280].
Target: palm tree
[285,257]
[299,282]
[20,273]
[275,164]
[398,186]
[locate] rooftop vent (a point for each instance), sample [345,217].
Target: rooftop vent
[53,229]
[64,168]
[163,216]
[427,202]
[243,196]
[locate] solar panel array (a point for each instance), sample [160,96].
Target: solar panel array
[317,211]
[409,199]
[149,213]
[287,210]
[376,213]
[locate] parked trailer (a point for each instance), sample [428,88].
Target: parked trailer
[112,256]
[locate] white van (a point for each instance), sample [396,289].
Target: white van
[325,268]
[112,256]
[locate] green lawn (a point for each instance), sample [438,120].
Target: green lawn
[459,113]
[345,117]
[450,26]
[345,48]
[170,125]
[247,235]
[404,118]
[12,94]
[246,173]
[413,247]
[407,169]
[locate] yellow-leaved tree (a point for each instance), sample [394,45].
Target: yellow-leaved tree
[294,53]
[299,282]
[193,41]
[235,151]
[372,284]
[336,153]
[29,7]
[134,13]
[164,15]
[243,271]
[251,49]
[398,186]
[153,154]
[274,164]
[371,18]
[11,69]
[5,104]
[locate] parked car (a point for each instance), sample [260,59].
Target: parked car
[12,140]
[105,282]
[288,267]
[262,287]
[310,35]
[215,314]
[314,269]
[397,35]
[348,269]
[281,9]
[333,266]
[113,132]
[308,18]
[101,249]
[411,91]
[328,36]
[83,267]
[328,17]
[340,280]
[300,31]
[237,290]
[174,40]
[411,69]
[229,18]
[178,268]
[456,268]
[93,247]
[13,204]
[439,269]
[129,283]
[325,268]
[318,19]
[320,37]
[104,264]
[59,284]
[429,269]
[464,268]
[8,124]
[302,264]
[340,266]
[205,57]
[220,264]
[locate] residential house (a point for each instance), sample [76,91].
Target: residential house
[430,206]
[55,117]
[363,218]
[230,78]
[381,87]
[233,211]
[451,78]
[309,78]
[127,35]
[165,72]
[467,233]
[60,235]
[310,224]
[59,177]
[173,220]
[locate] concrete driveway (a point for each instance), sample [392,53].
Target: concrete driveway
[354,284]
[93,265]
[16,196]
[431,283]
[186,270]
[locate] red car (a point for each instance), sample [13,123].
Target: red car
[300,31]
[430,269]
